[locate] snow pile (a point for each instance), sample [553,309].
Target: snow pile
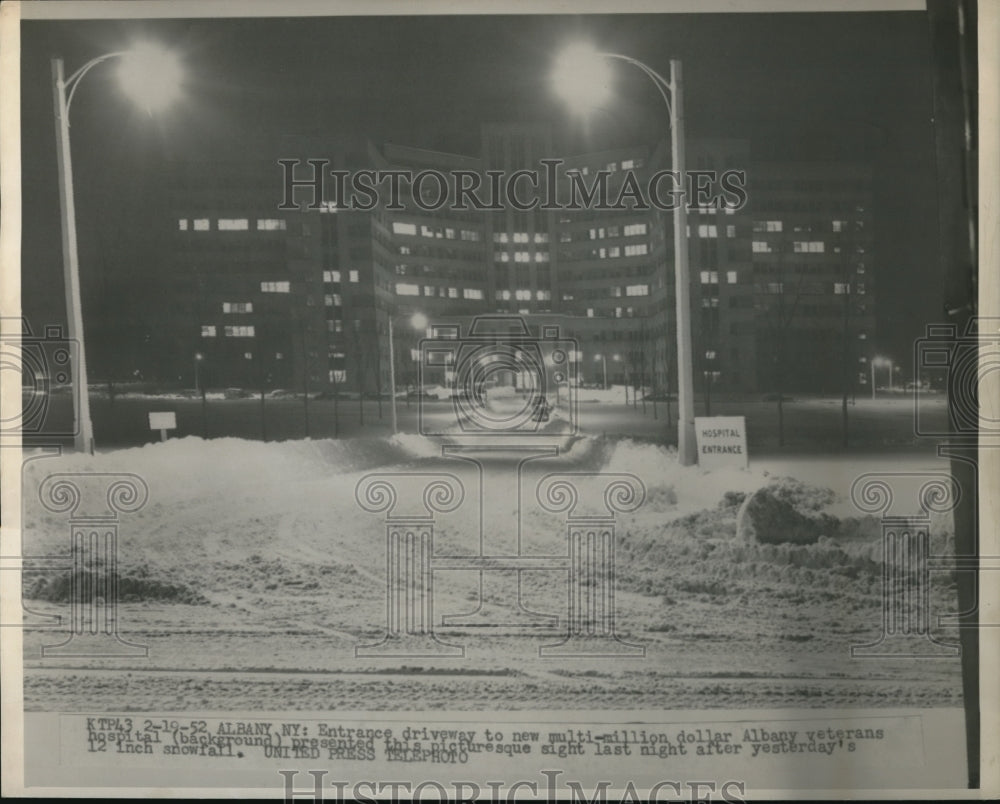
[690,487]
[185,468]
[615,394]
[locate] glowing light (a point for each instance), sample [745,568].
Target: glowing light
[582,77]
[419,321]
[150,76]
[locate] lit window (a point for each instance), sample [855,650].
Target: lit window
[707,230]
[275,287]
[428,290]
[331,276]
[614,251]
[353,276]
[615,292]
[270,225]
[520,237]
[239,332]
[637,290]
[449,234]
[406,289]
[710,277]
[233,224]
[541,256]
[761,247]
[521,256]
[541,237]
[182,224]
[332,300]
[503,295]
[808,246]
[501,256]
[201,224]
[400,227]
[635,229]
[237,307]
[636,249]
[522,294]
[840,288]
[861,288]
[590,312]
[628,164]
[208,330]
[472,293]
[468,234]
[730,230]
[248,355]
[731,277]
[452,293]
[543,295]
[500,237]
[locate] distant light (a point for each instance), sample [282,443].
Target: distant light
[150,76]
[419,321]
[582,77]
[199,356]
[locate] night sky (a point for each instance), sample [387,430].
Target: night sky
[798,86]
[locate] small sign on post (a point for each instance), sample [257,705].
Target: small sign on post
[722,441]
[163,421]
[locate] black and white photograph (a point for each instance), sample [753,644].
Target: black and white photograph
[488,401]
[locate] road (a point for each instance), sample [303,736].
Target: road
[811,425]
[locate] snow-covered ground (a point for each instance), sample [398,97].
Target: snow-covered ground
[256,557]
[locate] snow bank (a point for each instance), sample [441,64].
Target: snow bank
[194,467]
[615,394]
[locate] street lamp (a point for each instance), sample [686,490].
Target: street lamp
[604,366]
[881,362]
[152,77]
[582,77]
[198,357]
[419,322]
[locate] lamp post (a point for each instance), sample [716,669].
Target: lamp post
[580,73]
[604,366]
[151,77]
[198,357]
[419,322]
[880,361]
[199,389]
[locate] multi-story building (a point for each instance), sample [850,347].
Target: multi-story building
[781,289]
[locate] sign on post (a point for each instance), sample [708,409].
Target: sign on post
[722,441]
[162,421]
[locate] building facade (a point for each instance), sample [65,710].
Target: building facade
[782,289]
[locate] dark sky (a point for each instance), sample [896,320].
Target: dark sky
[798,86]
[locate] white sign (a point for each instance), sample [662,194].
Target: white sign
[163,420]
[722,441]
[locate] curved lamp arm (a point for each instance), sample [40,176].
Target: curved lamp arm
[662,84]
[74,80]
